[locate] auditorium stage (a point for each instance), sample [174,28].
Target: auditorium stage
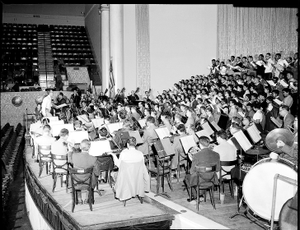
[108,212]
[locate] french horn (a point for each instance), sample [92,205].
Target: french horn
[282,134]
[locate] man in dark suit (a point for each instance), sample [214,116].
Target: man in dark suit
[288,118]
[83,160]
[205,157]
[271,111]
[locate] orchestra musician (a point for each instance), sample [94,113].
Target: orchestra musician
[47,104]
[60,147]
[288,118]
[179,151]
[45,139]
[83,160]
[204,157]
[290,152]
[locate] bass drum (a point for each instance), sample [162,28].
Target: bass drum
[258,186]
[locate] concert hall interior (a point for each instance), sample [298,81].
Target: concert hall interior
[149,116]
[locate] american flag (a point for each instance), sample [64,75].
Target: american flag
[111,80]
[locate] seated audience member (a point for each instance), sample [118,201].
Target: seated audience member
[82,160]
[205,157]
[45,139]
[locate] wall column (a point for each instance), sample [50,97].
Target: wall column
[142,47]
[105,53]
[117,43]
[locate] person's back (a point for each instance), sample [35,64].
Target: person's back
[226,151]
[45,139]
[83,160]
[60,147]
[205,157]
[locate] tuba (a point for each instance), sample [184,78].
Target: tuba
[279,134]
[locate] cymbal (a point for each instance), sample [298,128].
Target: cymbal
[278,134]
[258,151]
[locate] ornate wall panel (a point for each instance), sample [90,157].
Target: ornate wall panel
[142,46]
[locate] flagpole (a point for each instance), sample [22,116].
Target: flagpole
[111,80]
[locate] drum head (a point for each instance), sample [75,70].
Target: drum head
[259,183]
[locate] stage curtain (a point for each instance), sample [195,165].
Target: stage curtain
[251,31]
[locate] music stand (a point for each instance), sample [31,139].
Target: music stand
[239,192]
[163,150]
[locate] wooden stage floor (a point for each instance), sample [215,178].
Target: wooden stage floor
[109,211]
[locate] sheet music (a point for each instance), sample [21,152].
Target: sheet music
[59,122]
[61,106]
[207,127]
[276,122]
[203,132]
[187,142]
[242,114]
[142,122]
[56,128]
[114,127]
[254,133]
[137,136]
[99,147]
[83,118]
[271,82]
[277,101]
[77,136]
[98,122]
[242,140]
[283,83]
[162,132]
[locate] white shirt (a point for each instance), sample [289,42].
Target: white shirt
[227,152]
[46,104]
[45,139]
[258,116]
[129,155]
[280,62]
[268,66]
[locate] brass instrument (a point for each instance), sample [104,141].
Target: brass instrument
[282,134]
